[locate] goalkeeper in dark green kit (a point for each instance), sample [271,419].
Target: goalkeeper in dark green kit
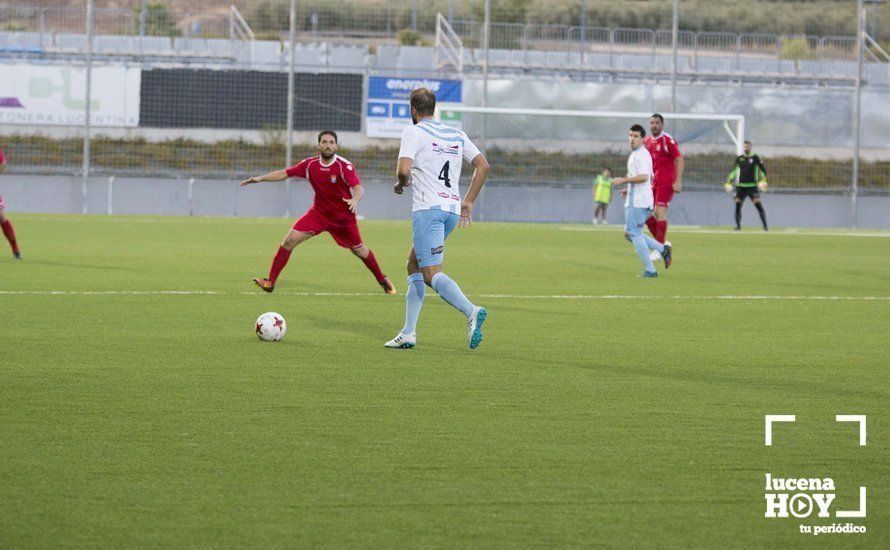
[749,175]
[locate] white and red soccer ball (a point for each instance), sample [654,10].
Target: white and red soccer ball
[270,327]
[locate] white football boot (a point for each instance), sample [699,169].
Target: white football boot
[402,341]
[474,326]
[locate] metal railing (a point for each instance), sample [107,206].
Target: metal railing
[874,52]
[385,25]
[238,26]
[115,21]
[127,34]
[449,46]
[514,36]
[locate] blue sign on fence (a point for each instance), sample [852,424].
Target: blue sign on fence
[388,111]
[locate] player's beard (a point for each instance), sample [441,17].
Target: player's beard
[327,156]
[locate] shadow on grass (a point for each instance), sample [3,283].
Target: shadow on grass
[77,265]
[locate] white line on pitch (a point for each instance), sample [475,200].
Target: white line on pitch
[791,232]
[609,296]
[753,297]
[678,297]
[108,292]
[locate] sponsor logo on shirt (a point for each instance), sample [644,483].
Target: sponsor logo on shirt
[450,150]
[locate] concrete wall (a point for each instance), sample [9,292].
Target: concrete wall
[499,202]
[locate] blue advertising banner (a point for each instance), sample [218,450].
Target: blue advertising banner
[388,112]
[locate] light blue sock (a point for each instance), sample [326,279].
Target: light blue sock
[653,244]
[451,293]
[642,248]
[413,302]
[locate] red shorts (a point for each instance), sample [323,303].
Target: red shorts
[343,230]
[663,195]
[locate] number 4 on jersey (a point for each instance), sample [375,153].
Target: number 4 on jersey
[443,174]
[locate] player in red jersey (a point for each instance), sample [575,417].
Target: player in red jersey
[337,192]
[5,224]
[667,161]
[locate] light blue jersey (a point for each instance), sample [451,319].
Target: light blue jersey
[638,203]
[437,151]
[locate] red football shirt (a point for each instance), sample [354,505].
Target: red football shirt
[663,150]
[2,158]
[332,184]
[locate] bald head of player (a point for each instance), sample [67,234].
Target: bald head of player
[747,147]
[656,124]
[423,104]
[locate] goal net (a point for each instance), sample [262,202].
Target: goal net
[544,161]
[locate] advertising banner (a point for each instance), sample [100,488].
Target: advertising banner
[54,95]
[388,112]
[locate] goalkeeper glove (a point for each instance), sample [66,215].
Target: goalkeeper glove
[763,186]
[728,187]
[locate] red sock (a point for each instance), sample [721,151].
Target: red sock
[662,230]
[652,225]
[371,264]
[281,258]
[9,232]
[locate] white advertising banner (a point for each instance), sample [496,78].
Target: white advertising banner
[54,95]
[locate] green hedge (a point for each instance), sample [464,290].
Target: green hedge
[234,159]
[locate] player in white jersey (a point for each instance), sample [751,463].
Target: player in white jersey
[430,160]
[639,200]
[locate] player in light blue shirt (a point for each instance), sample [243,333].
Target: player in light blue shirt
[430,160]
[639,200]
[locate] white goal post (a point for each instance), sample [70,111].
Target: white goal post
[732,124]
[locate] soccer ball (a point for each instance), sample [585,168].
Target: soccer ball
[270,327]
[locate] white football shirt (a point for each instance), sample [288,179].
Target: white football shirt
[437,151]
[639,195]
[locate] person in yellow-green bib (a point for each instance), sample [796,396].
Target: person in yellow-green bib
[602,195]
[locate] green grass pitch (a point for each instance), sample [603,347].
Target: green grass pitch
[602,409]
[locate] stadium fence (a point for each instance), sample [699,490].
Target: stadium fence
[214,121]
